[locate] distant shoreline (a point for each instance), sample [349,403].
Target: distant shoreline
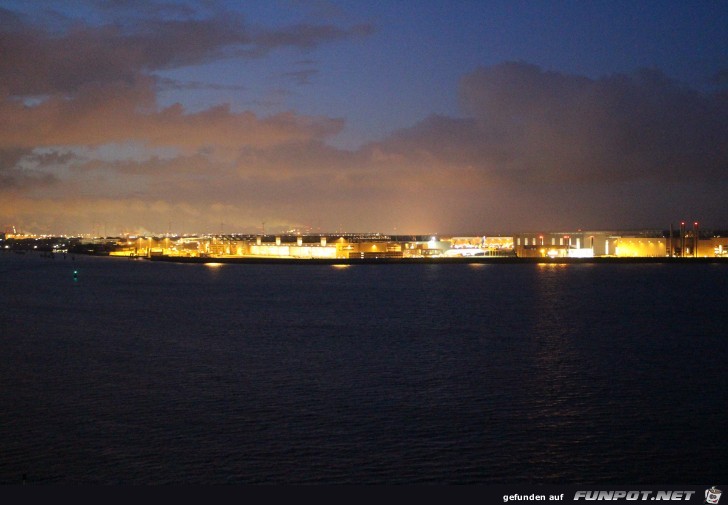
[435,261]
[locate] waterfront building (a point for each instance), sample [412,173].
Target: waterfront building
[561,244]
[571,244]
[291,247]
[642,247]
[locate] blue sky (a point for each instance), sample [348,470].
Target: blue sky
[407,116]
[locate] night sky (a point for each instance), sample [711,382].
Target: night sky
[449,117]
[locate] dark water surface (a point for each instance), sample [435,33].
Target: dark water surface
[152,373]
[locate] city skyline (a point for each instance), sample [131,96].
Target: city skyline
[673,229]
[402,118]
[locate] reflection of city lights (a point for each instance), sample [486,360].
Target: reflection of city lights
[213,265]
[552,266]
[340,266]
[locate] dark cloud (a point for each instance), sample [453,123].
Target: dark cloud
[557,149]
[9,158]
[448,140]
[540,126]
[28,158]
[18,169]
[37,60]
[10,22]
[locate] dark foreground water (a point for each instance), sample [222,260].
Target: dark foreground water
[151,373]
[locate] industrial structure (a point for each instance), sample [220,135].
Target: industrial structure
[683,242]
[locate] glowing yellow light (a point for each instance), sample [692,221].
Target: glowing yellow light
[340,266]
[213,265]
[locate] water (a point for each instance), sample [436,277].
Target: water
[155,373]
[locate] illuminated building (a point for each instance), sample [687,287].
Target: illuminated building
[542,244]
[571,244]
[479,246]
[291,247]
[641,247]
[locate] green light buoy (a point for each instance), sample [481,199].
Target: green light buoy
[75,276]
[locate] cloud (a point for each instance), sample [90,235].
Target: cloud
[540,149]
[540,127]
[38,60]
[18,170]
[72,92]
[119,112]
